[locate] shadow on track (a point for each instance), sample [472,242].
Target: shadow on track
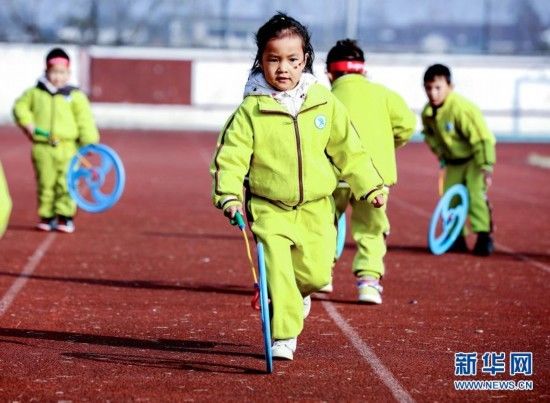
[195,235]
[24,228]
[163,362]
[423,250]
[499,253]
[172,345]
[144,284]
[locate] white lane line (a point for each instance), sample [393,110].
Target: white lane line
[500,246]
[524,258]
[541,161]
[398,391]
[29,268]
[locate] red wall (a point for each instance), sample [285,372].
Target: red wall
[140,81]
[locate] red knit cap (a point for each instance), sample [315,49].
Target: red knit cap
[57,56]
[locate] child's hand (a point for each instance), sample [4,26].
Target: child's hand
[232,210]
[378,201]
[487,177]
[28,130]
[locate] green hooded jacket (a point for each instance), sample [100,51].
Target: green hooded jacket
[66,114]
[456,132]
[381,117]
[288,159]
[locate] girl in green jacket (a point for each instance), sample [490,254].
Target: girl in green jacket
[57,119]
[287,137]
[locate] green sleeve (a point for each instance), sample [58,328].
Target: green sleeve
[472,126]
[22,112]
[403,120]
[231,161]
[87,130]
[350,157]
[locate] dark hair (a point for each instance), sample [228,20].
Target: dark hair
[57,52]
[277,26]
[437,70]
[345,49]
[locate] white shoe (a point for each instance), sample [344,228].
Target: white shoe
[327,288]
[65,225]
[284,349]
[370,291]
[46,224]
[307,306]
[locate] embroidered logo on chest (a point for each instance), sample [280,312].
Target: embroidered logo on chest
[449,126]
[320,121]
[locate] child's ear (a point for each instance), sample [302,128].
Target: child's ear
[330,76]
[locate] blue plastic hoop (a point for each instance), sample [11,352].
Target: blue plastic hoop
[264,309]
[451,212]
[94,177]
[341,236]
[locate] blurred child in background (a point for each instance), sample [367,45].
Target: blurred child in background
[384,122]
[456,132]
[5,202]
[286,136]
[63,113]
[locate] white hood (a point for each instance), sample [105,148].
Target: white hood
[291,99]
[51,88]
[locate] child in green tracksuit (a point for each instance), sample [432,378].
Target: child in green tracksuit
[61,112]
[5,202]
[286,136]
[384,122]
[456,132]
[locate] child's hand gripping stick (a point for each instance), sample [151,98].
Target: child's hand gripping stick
[238,220]
[51,139]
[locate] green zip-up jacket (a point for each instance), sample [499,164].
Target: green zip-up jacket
[66,114]
[381,117]
[456,132]
[289,160]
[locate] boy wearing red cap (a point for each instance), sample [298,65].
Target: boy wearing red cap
[62,112]
[384,122]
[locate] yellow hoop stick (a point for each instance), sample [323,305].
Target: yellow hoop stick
[250,260]
[84,161]
[441,182]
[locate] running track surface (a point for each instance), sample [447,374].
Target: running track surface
[150,300]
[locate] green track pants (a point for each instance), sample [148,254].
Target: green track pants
[50,167]
[299,249]
[368,228]
[471,176]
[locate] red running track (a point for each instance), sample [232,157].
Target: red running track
[150,300]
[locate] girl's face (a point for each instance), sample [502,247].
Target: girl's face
[283,62]
[58,75]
